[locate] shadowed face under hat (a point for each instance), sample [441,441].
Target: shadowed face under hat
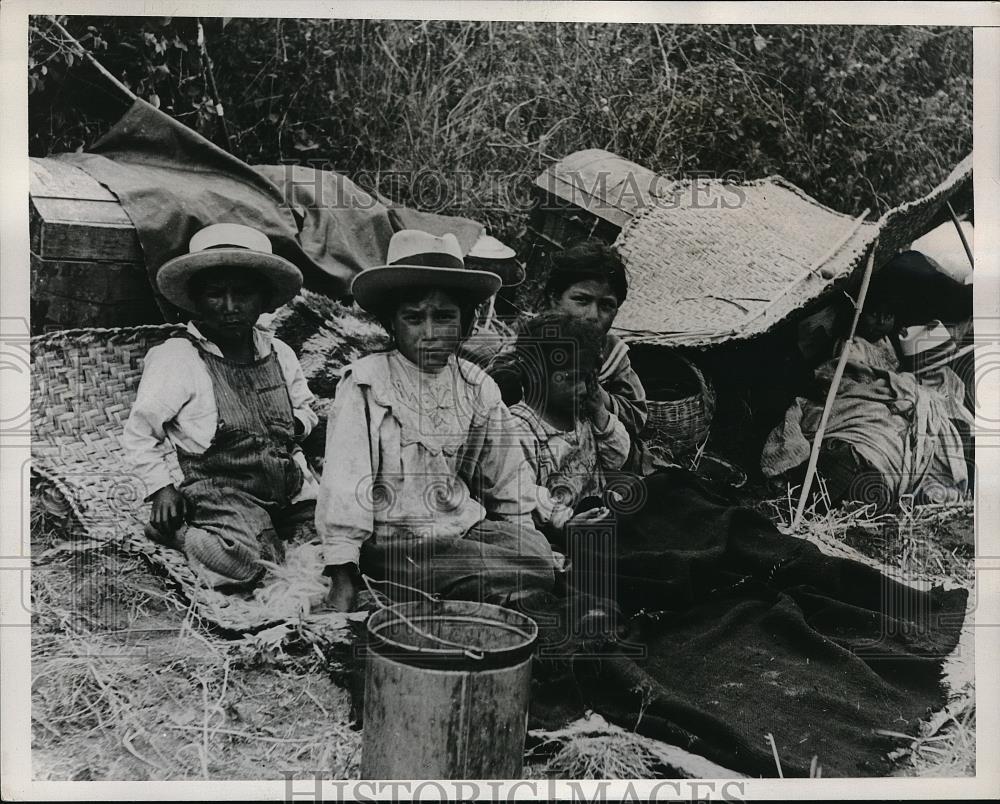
[229,245]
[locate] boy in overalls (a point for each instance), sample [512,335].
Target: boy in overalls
[231,402]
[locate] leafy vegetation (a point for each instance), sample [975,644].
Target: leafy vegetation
[460,117]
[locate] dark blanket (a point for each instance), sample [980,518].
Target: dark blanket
[748,632]
[171,182]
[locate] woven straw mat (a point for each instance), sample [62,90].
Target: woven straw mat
[83,383]
[716,261]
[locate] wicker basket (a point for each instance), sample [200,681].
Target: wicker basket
[680,423]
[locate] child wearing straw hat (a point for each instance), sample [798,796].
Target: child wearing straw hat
[428,489]
[231,403]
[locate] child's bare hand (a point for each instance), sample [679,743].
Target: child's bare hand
[168,509]
[589,517]
[595,404]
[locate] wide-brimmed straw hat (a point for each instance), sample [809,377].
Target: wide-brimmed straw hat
[928,347]
[224,245]
[417,259]
[493,255]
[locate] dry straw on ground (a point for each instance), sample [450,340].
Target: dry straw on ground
[128,684]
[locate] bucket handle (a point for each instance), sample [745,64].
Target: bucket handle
[467,651]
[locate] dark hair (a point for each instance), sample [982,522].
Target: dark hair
[553,341]
[588,259]
[919,290]
[466,307]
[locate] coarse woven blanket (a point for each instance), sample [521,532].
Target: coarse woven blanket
[171,182]
[739,632]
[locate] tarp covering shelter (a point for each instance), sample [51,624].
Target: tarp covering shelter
[171,182]
[734,260]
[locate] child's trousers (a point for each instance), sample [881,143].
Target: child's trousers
[494,562]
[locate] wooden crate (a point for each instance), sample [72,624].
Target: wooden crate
[590,193]
[87,266]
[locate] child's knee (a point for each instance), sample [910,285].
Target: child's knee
[229,560]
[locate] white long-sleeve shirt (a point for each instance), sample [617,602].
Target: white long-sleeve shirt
[175,407]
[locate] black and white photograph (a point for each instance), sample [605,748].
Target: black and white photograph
[483,401]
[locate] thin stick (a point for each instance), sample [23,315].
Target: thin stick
[89,57]
[491,311]
[219,110]
[961,234]
[774,751]
[832,393]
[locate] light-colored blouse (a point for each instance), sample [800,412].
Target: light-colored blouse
[568,465]
[416,452]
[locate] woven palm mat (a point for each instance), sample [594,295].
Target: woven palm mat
[736,259]
[83,383]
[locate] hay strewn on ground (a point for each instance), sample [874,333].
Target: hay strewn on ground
[128,685]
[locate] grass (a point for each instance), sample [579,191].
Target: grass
[128,684]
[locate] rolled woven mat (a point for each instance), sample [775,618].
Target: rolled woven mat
[83,383]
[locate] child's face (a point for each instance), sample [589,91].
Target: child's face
[229,300]
[876,323]
[428,331]
[565,389]
[590,300]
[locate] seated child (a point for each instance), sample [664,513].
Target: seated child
[572,442]
[587,281]
[569,437]
[427,490]
[231,402]
[872,343]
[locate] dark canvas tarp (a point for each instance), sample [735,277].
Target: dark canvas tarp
[748,632]
[171,182]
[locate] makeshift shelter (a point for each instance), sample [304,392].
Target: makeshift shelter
[721,272]
[736,260]
[101,219]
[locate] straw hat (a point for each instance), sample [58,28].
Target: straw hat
[928,347]
[489,253]
[418,259]
[224,245]
[489,248]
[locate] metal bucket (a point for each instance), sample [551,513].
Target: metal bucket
[446,691]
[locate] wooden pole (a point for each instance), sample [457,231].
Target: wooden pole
[210,72]
[831,395]
[961,234]
[89,58]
